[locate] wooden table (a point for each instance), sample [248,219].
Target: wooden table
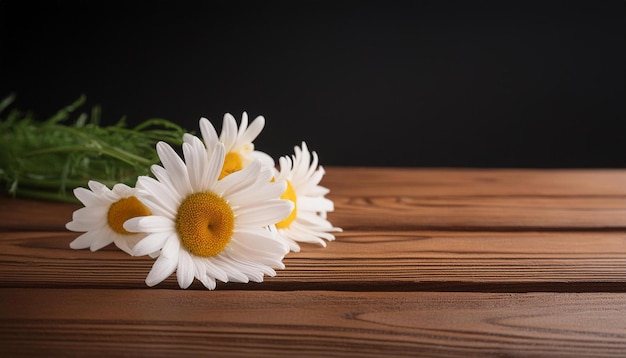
[432,262]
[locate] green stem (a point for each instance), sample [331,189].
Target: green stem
[116,153]
[142,160]
[104,147]
[53,183]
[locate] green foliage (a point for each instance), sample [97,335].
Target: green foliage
[48,159]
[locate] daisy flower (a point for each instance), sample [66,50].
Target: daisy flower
[206,228]
[237,142]
[103,215]
[307,221]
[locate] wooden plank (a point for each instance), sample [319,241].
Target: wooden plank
[161,323]
[465,199]
[407,200]
[357,260]
[471,213]
[403,199]
[437,182]
[398,213]
[434,262]
[27,214]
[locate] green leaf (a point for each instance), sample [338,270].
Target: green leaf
[48,159]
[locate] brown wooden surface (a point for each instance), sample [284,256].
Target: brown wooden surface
[432,262]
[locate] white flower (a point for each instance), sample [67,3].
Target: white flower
[237,142]
[207,228]
[308,220]
[103,216]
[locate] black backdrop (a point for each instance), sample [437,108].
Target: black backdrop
[378,83]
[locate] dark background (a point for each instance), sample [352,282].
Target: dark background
[377,83]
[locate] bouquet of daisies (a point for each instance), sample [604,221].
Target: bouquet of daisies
[221,211]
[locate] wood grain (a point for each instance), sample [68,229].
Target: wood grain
[419,199]
[160,323]
[479,213]
[27,214]
[374,212]
[454,182]
[432,262]
[413,260]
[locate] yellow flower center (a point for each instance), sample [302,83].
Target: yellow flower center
[124,209]
[289,194]
[205,223]
[232,163]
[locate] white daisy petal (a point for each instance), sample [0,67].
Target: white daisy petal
[175,167]
[311,236]
[215,167]
[151,243]
[201,160]
[259,240]
[312,182]
[96,186]
[188,138]
[209,135]
[254,130]
[313,220]
[264,158]
[160,201]
[313,204]
[163,179]
[243,126]
[214,270]
[240,180]
[246,253]
[266,213]
[84,240]
[234,273]
[196,159]
[87,197]
[100,242]
[314,162]
[162,269]
[202,274]
[149,224]
[253,177]
[317,191]
[91,216]
[185,270]
[127,242]
[122,190]
[293,244]
[253,270]
[229,132]
[171,247]
[251,196]
[266,174]
[82,226]
[157,208]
